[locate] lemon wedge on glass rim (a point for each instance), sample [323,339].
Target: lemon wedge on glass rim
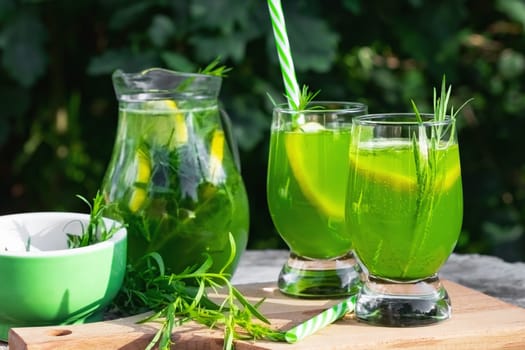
[305,173]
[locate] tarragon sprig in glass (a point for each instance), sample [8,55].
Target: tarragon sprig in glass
[425,149]
[427,158]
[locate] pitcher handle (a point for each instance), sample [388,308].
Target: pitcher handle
[228,132]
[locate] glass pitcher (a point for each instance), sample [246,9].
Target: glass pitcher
[174,173]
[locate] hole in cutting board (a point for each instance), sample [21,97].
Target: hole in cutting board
[59,332]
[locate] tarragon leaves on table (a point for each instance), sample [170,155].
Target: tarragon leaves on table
[176,299]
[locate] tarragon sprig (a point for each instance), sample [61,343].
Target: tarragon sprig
[96,230]
[180,298]
[425,149]
[215,69]
[306,97]
[427,157]
[440,105]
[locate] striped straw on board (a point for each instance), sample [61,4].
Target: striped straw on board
[285,55]
[321,320]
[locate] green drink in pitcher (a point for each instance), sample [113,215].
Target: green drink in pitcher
[173,177]
[169,184]
[306,191]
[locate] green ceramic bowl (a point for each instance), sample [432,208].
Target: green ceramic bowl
[42,282]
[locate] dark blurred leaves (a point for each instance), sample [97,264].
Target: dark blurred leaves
[59,113]
[353,5]
[126,14]
[7,7]
[162,29]
[313,42]
[515,9]
[23,39]
[178,62]
[15,102]
[124,59]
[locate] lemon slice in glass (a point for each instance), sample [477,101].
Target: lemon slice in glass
[390,168]
[305,169]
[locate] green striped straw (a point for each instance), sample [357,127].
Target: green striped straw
[285,55]
[321,320]
[293,93]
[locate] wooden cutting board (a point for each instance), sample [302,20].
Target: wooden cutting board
[478,322]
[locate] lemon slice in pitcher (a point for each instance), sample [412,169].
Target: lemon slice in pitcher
[177,124]
[178,131]
[181,130]
[142,177]
[216,156]
[306,169]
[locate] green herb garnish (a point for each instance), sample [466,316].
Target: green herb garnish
[214,69]
[306,97]
[440,105]
[180,298]
[96,230]
[427,157]
[425,149]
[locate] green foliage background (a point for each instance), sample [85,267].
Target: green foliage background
[58,111]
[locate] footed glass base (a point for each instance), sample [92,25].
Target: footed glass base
[402,304]
[312,278]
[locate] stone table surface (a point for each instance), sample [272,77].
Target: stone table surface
[487,274]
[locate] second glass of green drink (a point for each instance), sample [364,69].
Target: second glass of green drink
[404,212]
[306,190]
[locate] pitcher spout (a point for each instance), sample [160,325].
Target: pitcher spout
[163,84]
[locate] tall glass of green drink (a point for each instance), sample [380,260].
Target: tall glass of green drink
[404,214]
[306,189]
